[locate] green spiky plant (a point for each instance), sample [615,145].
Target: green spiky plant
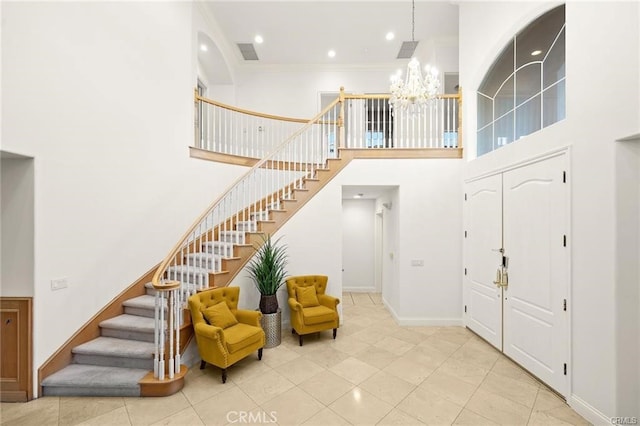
[267,271]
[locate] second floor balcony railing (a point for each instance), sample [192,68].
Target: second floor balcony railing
[362,122]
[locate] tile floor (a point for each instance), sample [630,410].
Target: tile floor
[375,372]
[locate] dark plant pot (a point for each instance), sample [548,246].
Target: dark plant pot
[268,304]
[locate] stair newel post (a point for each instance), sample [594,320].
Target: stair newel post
[177,306]
[156,354]
[341,132]
[171,328]
[167,295]
[160,326]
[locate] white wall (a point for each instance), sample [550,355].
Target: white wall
[101,95]
[596,116]
[358,244]
[424,223]
[627,281]
[16,202]
[295,92]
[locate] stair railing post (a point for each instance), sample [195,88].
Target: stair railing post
[341,132]
[459,117]
[196,119]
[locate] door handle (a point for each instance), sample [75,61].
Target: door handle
[502,277]
[498,281]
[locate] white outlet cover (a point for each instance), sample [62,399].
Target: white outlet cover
[59,283]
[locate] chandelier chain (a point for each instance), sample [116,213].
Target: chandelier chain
[413,20]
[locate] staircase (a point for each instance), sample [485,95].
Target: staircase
[114,363]
[134,349]
[120,361]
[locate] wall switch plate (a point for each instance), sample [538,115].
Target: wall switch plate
[59,283]
[417,262]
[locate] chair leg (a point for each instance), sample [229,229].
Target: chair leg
[293,331]
[202,364]
[335,331]
[224,375]
[259,354]
[300,339]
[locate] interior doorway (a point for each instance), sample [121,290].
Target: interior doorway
[17,276]
[365,224]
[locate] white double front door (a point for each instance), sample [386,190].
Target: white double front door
[517,265]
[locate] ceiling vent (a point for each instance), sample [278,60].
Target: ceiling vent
[407,49]
[248,51]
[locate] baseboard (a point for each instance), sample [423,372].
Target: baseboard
[423,322]
[587,411]
[359,289]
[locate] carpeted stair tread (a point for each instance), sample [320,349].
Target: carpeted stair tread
[145,301]
[109,346]
[79,379]
[130,322]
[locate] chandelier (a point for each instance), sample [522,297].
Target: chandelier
[415,90]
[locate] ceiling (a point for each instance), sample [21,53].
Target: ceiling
[369,192]
[302,31]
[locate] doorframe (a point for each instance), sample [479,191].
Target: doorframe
[563,150]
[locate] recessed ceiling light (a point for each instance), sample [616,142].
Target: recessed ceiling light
[390,36]
[204,47]
[258,39]
[536,52]
[331,53]
[360,195]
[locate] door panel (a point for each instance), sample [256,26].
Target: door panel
[483,224]
[15,348]
[535,221]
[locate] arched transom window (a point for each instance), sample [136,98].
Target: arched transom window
[524,89]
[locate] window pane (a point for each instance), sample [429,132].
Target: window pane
[554,63]
[504,130]
[554,104]
[528,117]
[504,98]
[538,36]
[485,111]
[501,69]
[485,140]
[527,82]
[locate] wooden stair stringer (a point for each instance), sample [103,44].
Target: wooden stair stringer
[280,217]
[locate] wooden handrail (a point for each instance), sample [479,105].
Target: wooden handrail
[253,113]
[387,96]
[176,248]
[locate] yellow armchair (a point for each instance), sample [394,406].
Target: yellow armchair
[224,333]
[312,310]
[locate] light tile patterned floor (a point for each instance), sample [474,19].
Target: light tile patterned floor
[375,372]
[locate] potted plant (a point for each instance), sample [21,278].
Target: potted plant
[267,270]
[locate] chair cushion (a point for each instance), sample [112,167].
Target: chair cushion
[241,335]
[318,315]
[307,296]
[220,315]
